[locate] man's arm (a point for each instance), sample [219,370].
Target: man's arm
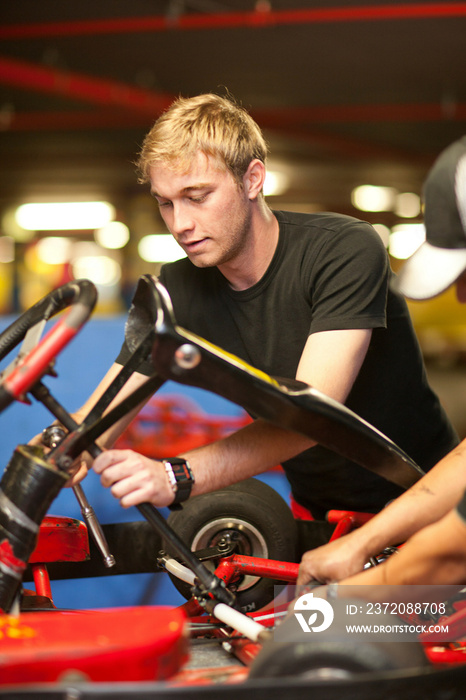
[330,362]
[426,502]
[110,436]
[134,382]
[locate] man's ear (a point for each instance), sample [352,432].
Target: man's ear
[254,178]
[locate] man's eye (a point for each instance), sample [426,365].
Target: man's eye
[165,203]
[198,200]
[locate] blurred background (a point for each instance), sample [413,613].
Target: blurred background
[356,100]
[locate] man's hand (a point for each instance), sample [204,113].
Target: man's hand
[133,478]
[81,472]
[80,466]
[332,561]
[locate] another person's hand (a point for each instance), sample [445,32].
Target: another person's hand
[332,561]
[133,478]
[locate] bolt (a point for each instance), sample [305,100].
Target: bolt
[187,356]
[65,462]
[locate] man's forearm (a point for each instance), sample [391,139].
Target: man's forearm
[112,434]
[135,479]
[252,450]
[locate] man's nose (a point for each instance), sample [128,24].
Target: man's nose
[182,220]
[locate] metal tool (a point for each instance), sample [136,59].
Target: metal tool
[51,436]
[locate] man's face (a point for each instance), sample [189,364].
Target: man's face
[204,209]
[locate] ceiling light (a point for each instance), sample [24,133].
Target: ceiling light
[372,198]
[160,247]
[10,227]
[100,269]
[276,182]
[405,239]
[54,250]
[7,249]
[113,235]
[64,216]
[407,205]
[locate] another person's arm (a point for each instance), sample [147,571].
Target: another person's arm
[435,555]
[431,498]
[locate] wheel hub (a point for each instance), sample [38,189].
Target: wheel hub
[248,538]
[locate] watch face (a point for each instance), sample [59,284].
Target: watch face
[181,471]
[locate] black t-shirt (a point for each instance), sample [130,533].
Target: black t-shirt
[329,272]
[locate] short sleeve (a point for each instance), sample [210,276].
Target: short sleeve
[350,280]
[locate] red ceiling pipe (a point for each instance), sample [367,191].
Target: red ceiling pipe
[230,20]
[81,87]
[74,120]
[343,146]
[269,118]
[108,93]
[325,114]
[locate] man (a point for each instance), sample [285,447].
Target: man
[296,295]
[434,508]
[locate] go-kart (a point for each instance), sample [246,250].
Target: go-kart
[245,540]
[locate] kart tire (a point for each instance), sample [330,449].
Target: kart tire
[329,656]
[252,511]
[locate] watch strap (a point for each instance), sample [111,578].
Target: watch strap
[180,476]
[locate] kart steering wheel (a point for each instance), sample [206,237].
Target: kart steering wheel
[35,356]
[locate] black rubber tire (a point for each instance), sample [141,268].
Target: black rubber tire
[261,517]
[329,656]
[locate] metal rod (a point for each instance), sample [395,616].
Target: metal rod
[209,581]
[40,392]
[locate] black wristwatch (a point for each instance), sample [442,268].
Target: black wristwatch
[180,476]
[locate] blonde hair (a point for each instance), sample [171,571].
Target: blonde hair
[210,124]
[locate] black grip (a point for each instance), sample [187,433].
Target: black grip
[80,292]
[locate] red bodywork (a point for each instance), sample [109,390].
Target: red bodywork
[124,644]
[60,539]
